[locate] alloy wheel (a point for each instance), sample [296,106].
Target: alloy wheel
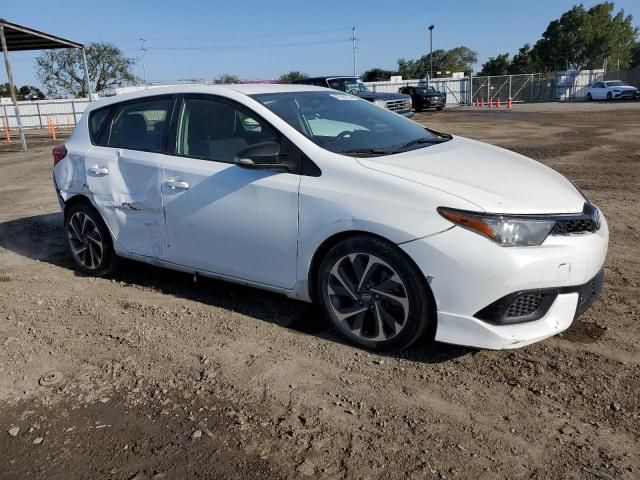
[85,240]
[367,297]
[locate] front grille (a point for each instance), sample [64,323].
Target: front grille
[588,292]
[566,227]
[401,105]
[524,305]
[587,221]
[530,305]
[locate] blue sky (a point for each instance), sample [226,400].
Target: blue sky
[261,39]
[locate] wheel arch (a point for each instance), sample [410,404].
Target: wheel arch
[333,240]
[79,199]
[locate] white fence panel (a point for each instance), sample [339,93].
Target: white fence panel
[37,114]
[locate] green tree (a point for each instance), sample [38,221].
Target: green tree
[26,92]
[227,78]
[459,59]
[583,38]
[525,61]
[634,60]
[292,76]
[496,65]
[377,75]
[61,72]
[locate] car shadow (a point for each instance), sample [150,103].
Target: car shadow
[41,237]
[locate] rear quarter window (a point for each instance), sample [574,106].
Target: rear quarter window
[98,131]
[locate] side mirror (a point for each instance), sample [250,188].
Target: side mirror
[262,155]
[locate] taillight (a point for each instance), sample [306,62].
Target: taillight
[59,153]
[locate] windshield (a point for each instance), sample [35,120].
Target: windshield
[346,124]
[615,83]
[425,89]
[349,85]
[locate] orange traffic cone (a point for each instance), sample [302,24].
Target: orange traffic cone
[498,103]
[509,103]
[482,101]
[491,102]
[6,130]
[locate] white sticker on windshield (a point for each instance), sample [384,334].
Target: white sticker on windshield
[343,97]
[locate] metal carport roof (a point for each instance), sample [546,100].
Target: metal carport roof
[20,38]
[15,38]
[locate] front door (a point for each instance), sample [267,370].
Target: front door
[220,217]
[124,174]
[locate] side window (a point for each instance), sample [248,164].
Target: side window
[140,125]
[98,130]
[216,130]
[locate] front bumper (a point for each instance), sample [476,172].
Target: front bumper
[467,272]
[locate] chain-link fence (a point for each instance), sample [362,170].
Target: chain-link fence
[532,87]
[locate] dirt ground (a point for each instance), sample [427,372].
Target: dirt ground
[161,377]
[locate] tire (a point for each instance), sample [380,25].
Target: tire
[589,97]
[89,241]
[439,108]
[373,295]
[609,96]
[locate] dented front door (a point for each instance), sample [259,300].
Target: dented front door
[125,185]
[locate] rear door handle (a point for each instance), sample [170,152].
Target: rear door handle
[176,185]
[98,171]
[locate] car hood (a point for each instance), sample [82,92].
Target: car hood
[624,88]
[495,179]
[382,96]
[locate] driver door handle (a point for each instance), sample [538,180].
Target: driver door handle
[176,185]
[98,171]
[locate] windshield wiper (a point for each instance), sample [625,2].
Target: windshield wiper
[367,151]
[420,141]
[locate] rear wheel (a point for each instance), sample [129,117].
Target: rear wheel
[373,295]
[89,241]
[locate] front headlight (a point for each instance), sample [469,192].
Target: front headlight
[380,103]
[505,230]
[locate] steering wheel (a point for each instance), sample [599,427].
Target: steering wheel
[343,134]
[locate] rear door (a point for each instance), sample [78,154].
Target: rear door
[221,217]
[598,91]
[123,173]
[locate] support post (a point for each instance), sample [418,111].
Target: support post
[23,141]
[86,74]
[73,109]
[39,114]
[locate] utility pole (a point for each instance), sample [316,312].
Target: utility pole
[142,53]
[430,52]
[355,52]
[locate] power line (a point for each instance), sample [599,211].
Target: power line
[240,47]
[224,37]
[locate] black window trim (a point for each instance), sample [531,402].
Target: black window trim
[304,167]
[116,109]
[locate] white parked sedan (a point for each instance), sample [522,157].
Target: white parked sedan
[398,231]
[612,90]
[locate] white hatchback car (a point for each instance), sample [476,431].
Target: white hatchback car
[396,230]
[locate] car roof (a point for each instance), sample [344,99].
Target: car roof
[326,77]
[246,89]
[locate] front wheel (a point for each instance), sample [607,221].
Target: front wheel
[373,295]
[89,241]
[589,97]
[609,96]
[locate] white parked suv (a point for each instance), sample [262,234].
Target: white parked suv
[398,231]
